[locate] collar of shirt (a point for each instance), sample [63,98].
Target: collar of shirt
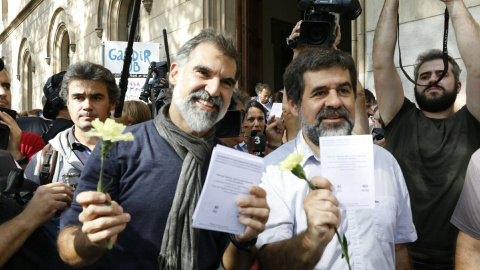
[80,150]
[309,157]
[242,147]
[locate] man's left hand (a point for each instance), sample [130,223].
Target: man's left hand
[255,211]
[15,135]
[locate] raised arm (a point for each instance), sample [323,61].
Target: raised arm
[84,245]
[467,32]
[361,119]
[305,250]
[388,84]
[467,254]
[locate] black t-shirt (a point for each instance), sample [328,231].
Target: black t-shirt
[433,155]
[35,125]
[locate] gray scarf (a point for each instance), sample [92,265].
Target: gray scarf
[180,240]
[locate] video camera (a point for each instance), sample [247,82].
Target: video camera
[154,89]
[319,28]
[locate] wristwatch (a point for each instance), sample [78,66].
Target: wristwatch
[245,246]
[22,161]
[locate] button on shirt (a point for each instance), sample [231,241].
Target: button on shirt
[371,233]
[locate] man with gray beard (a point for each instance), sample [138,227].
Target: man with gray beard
[157,179]
[320,86]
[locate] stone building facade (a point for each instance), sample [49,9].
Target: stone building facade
[41,37]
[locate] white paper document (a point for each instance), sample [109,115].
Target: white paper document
[230,174]
[276,110]
[347,162]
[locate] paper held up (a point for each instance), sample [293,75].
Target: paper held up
[347,162]
[230,174]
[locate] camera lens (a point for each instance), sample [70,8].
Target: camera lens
[319,31]
[317,35]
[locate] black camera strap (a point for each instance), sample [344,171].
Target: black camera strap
[445,51]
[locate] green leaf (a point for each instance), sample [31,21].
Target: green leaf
[105,188]
[345,244]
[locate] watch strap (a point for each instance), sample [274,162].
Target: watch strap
[245,246]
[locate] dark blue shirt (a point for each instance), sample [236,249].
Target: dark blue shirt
[145,174]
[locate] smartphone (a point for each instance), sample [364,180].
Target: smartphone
[230,126]
[4,136]
[12,113]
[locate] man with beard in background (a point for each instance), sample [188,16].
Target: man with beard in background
[158,179]
[321,92]
[433,144]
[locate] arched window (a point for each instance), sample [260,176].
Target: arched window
[124,20]
[26,82]
[129,22]
[65,52]
[61,49]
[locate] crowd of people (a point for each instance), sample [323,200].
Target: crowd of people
[425,164]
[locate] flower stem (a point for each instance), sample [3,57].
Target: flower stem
[100,189]
[344,251]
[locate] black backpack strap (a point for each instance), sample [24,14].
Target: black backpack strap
[48,161]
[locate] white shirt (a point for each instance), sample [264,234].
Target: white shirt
[371,234]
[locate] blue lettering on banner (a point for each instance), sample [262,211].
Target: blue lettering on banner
[137,58]
[136,67]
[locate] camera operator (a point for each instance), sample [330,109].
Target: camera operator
[155,91]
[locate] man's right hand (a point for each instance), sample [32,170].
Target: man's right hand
[322,214]
[101,221]
[48,200]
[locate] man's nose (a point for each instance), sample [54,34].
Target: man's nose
[433,79]
[213,87]
[333,100]
[87,104]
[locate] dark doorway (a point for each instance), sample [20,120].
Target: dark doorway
[282,54]
[262,46]
[249,43]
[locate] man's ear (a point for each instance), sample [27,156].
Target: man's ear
[459,86]
[112,106]
[174,71]
[293,107]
